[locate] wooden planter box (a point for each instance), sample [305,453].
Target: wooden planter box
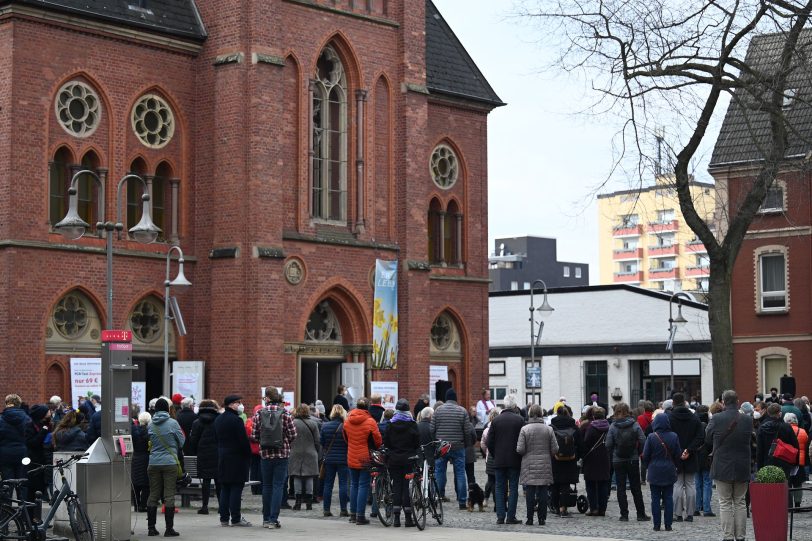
[768,505]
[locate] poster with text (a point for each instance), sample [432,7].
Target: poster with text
[436,373]
[290,400]
[388,391]
[385,316]
[85,377]
[139,393]
[188,378]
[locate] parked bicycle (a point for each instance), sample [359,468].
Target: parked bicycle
[381,486]
[20,520]
[424,492]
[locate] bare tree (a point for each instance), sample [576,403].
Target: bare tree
[652,59]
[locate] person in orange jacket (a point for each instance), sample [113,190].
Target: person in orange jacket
[358,428]
[798,479]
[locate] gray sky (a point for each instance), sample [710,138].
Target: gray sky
[545,158]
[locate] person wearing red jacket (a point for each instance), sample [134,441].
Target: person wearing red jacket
[254,473]
[358,428]
[644,420]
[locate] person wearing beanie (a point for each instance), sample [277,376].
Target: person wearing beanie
[451,423]
[177,398]
[166,440]
[402,438]
[234,460]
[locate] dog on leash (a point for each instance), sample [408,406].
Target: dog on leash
[475,497]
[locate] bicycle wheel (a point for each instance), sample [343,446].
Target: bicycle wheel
[418,504]
[383,495]
[435,502]
[79,521]
[11,527]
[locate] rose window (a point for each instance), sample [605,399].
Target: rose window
[146,321]
[78,109]
[71,316]
[444,167]
[153,121]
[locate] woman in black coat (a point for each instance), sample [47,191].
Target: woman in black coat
[596,463]
[565,472]
[203,445]
[234,459]
[39,451]
[140,479]
[402,438]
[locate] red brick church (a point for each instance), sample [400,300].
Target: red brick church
[287,145]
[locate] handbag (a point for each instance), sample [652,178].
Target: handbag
[183,479]
[783,451]
[322,469]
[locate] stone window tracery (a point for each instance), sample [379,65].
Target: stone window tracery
[441,332]
[444,166]
[146,321]
[323,326]
[78,109]
[70,316]
[153,121]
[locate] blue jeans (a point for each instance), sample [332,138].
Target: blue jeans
[704,490]
[274,484]
[511,477]
[230,500]
[666,494]
[359,490]
[458,459]
[330,472]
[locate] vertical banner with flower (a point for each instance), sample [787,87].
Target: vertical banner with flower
[385,316]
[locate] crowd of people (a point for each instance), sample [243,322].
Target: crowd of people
[679,447]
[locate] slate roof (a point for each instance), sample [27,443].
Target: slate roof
[449,68]
[745,131]
[178,18]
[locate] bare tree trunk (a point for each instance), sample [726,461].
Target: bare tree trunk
[721,329]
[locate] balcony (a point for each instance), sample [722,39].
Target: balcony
[627,253]
[629,277]
[663,227]
[627,230]
[663,251]
[697,272]
[663,274]
[695,247]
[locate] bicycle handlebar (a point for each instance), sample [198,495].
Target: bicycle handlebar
[60,463]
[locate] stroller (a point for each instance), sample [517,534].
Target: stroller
[571,499]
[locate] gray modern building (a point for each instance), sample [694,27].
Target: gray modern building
[517,261]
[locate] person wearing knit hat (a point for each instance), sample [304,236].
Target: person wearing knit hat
[451,423]
[747,408]
[402,439]
[177,398]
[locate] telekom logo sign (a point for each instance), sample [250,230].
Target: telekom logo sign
[117,336]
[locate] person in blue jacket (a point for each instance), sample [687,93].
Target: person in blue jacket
[15,428]
[661,455]
[335,461]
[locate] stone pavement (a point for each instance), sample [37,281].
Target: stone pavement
[311,525]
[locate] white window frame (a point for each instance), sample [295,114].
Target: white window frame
[777,184]
[566,271]
[514,285]
[759,255]
[577,272]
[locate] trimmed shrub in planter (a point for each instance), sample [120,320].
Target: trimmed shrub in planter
[768,504]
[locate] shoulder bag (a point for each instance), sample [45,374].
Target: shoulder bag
[184,479]
[783,451]
[322,471]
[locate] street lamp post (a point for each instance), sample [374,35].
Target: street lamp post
[72,226]
[545,310]
[673,324]
[180,281]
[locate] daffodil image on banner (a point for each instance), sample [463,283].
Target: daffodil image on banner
[385,316]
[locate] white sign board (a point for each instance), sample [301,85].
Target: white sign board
[388,391]
[436,373]
[138,397]
[85,377]
[352,375]
[682,367]
[188,378]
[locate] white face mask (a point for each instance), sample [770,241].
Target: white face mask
[98,407]
[756,415]
[240,409]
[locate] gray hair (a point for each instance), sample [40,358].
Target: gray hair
[730,398]
[510,401]
[55,400]
[426,413]
[790,418]
[144,418]
[187,402]
[535,411]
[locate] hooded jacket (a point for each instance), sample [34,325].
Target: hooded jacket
[15,426]
[567,471]
[688,428]
[166,439]
[358,429]
[614,433]
[771,429]
[661,453]
[596,456]
[402,438]
[203,443]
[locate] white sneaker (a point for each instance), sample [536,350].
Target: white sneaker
[242,523]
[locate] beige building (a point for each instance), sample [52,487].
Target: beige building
[644,240]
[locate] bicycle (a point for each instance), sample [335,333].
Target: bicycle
[425,496]
[22,522]
[381,486]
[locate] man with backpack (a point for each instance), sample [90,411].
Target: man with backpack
[565,461]
[275,431]
[625,442]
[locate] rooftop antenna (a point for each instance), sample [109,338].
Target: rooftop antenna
[659,135]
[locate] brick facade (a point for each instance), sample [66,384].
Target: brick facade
[240,152]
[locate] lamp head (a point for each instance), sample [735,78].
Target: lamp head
[72,226]
[145,231]
[545,309]
[680,319]
[180,279]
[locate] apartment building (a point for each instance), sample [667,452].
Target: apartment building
[644,240]
[518,261]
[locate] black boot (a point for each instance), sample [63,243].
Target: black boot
[353,516]
[396,517]
[169,517]
[298,505]
[308,502]
[409,522]
[152,516]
